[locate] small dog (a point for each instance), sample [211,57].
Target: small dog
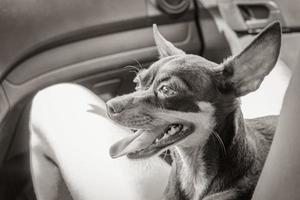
[191,106]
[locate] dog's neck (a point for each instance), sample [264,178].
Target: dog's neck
[201,165]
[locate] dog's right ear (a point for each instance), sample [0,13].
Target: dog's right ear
[244,72]
[164,47]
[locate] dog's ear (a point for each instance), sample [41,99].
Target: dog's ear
[244,72]
[164,47]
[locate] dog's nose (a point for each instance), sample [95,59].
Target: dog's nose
[114,108]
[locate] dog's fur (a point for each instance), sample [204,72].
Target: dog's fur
[223,157]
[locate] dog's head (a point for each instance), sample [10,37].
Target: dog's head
[177,97]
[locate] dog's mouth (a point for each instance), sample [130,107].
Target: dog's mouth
[144,144]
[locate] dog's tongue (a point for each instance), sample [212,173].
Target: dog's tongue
[140,140]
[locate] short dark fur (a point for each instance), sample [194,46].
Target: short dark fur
[239,169]
[231,173]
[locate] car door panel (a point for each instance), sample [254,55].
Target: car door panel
[28,28]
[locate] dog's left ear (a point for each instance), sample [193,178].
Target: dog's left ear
[245,72]
[164,47]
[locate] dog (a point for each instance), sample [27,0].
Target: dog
[190,106]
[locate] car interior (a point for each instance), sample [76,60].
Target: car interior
[91,42]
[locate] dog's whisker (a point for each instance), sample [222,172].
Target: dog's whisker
[136,69]
[139,64]
[220,141]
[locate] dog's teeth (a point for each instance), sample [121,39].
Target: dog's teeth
[165,136]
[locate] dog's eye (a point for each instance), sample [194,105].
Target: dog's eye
[166,91]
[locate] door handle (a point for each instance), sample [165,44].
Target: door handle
[255,24]
[233,11]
